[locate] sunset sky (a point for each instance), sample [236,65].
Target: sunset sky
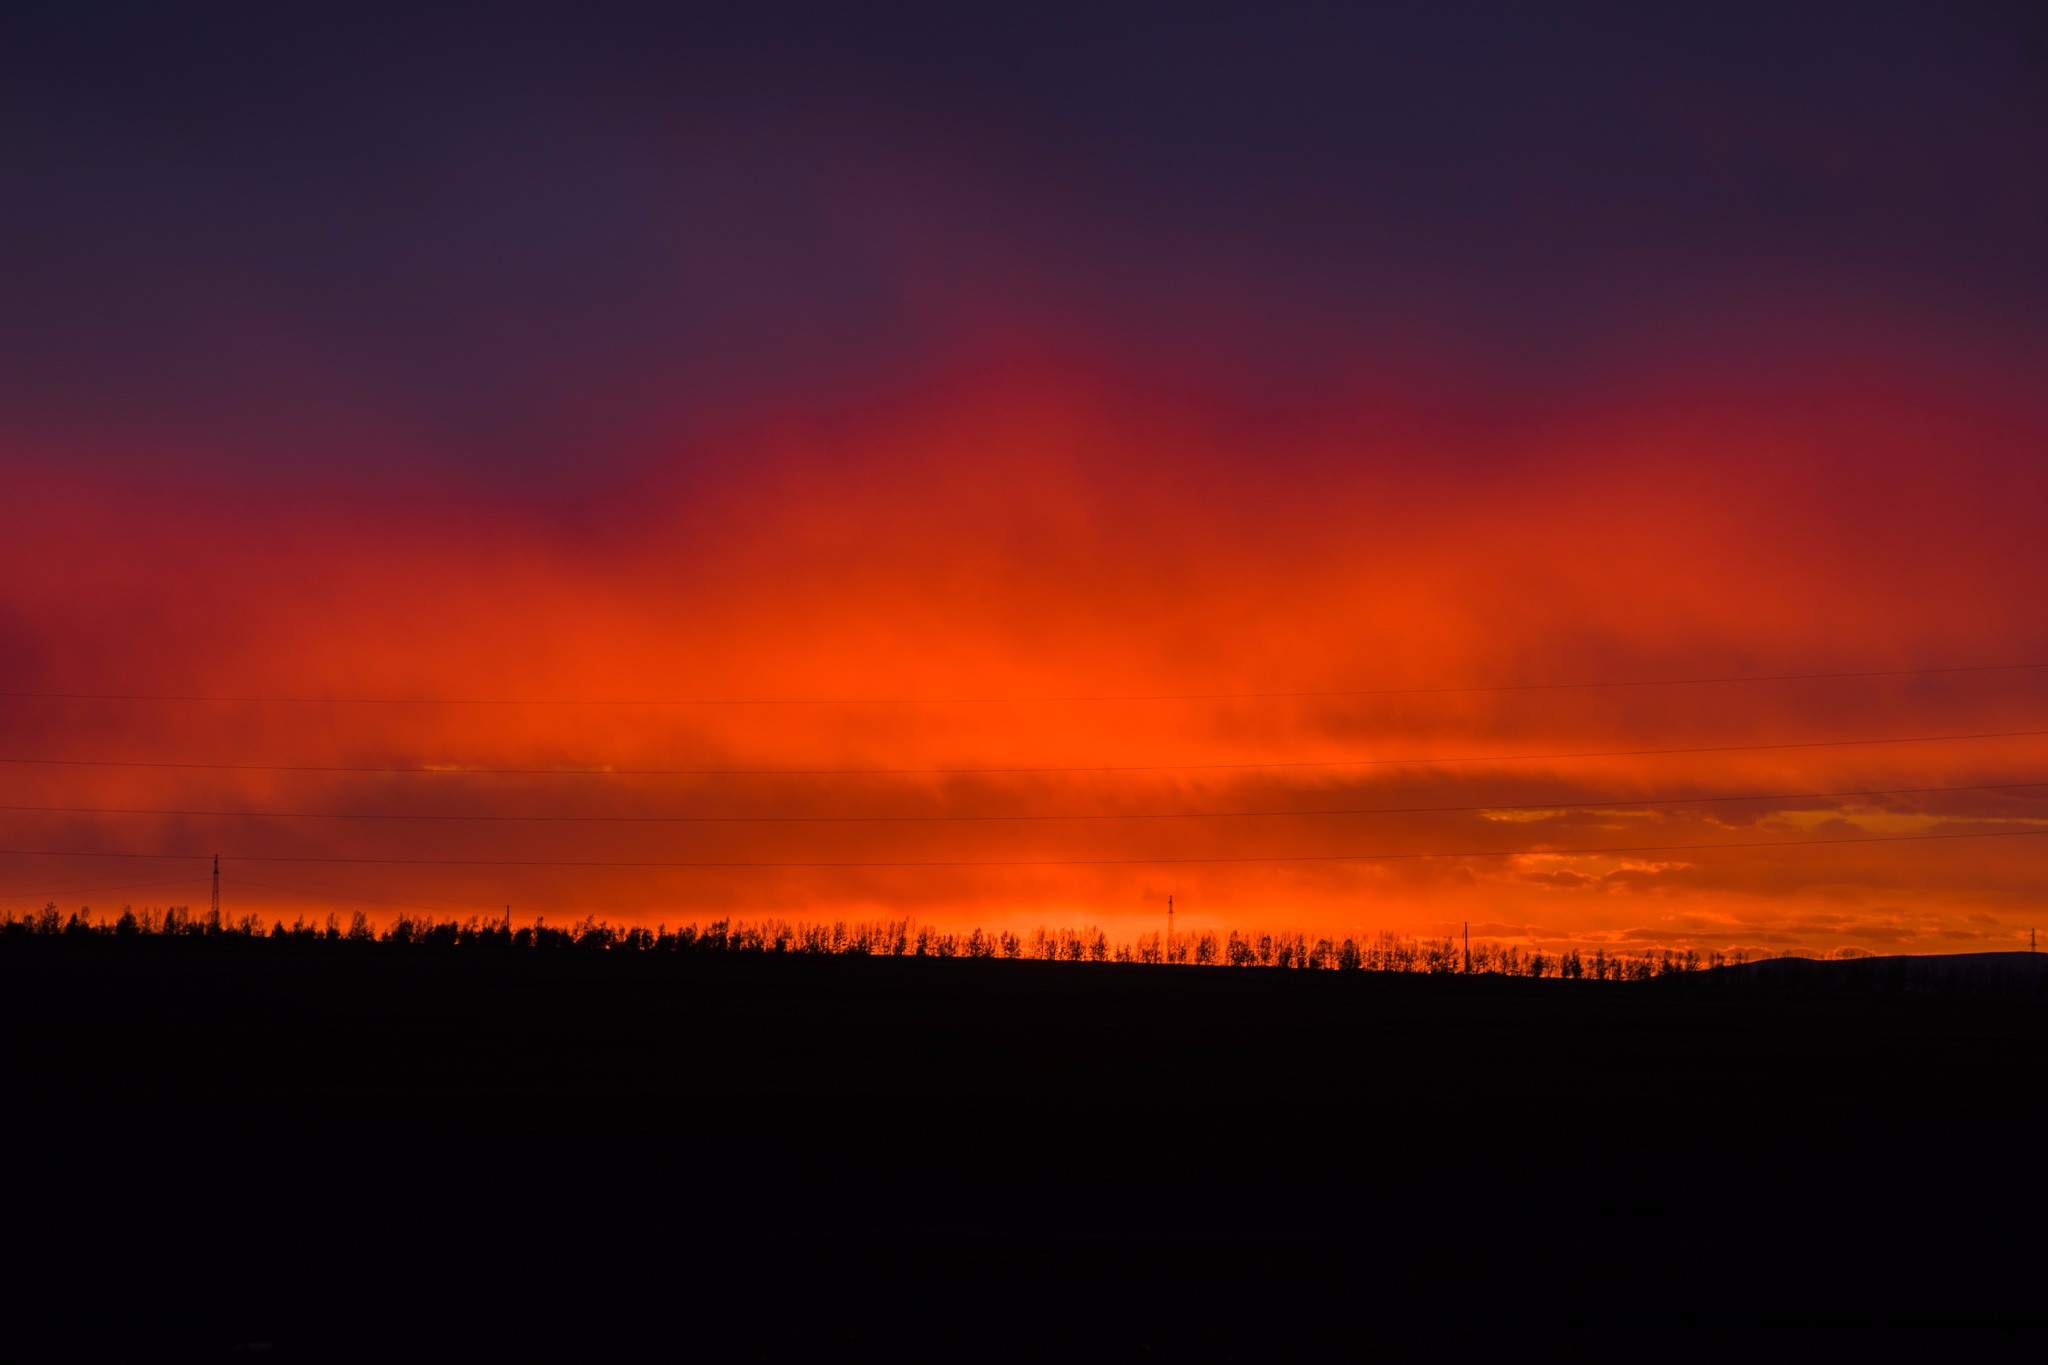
[1006,465]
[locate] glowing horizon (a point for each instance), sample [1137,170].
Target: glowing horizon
[1068,599]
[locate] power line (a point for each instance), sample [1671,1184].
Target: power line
[400,902]
[454,771]
[1577,803]
[44,889]
[283,881]
[1031,862]
[1310,694]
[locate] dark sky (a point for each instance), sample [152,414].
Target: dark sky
[505,241]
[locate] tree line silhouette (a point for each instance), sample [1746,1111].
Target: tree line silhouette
[1382,952]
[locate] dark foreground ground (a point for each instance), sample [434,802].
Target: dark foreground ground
[367,1152]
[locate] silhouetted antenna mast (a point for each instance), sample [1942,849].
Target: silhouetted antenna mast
[1169,926]
[216,888]
[1468,945]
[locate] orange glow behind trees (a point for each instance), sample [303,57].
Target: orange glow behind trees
[1051,572]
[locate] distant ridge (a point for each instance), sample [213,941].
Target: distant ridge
[2017,974]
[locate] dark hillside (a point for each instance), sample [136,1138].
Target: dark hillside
[2013,974]
[355,1150]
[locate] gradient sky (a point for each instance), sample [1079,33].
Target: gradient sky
[947,364]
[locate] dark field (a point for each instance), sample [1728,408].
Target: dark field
[365,1151]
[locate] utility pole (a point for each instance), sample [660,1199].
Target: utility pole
[1169,926]
[216,890]
[1468,947]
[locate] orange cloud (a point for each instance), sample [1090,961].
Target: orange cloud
[973,578]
